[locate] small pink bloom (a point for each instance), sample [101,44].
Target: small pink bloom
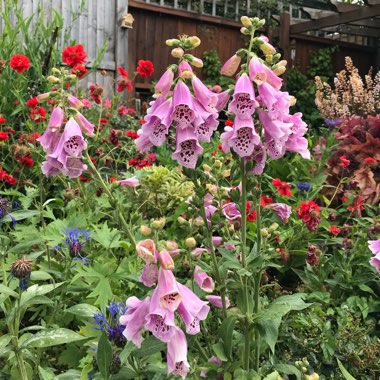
[187,148]
[229,246]
[231,66]
[163,85]
[216,241]
[149,276]
[166,260]
[167,288]
[146,250]
[282,210]
[56,119]
[177,354]
[74,102]
[183,109]
[198,251]
[203,280]
[130,182]
[217,301]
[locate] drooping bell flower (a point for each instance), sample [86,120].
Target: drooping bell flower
[282,210]
[244,102]
[177,354]
[74,102]
[298,144]
[275,128]
[203,280]
[49,140]
[56,119]
[259,156]
[166,260]
[191,309]
[163,85]
[86,127]
[276,102]
[223,99]
[188,148]
[185,70]
[231,212]
[205,97]
[259,72]
[159,320]
[134,319]
[183,109]
[51,167]
[167,288]
[130,182]
[217,301]
[143,143]
[149,275]
[146,250]
[205,123]
[74,167]
[374,246]
[231,66]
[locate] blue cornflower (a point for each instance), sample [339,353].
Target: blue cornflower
[111,325]
[303,186]
[332,122]
[75,240]
[5,207]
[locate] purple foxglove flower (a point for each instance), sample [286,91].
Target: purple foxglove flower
[130,182]
[49,140]
[216,241]
[374,246]
[163,85]
[184,66]
[160,321]
[299,127]
[134,319]
[192,310]
[282,210]
[149,275]
[198,251]
[167,288]
[276,149]
[244,137]
[177,354]
[217,301]
[277,102]
[153,105]
[146,250]
[218,362]
[298,144]
[74,102]
[223,99]
[225,138]
[259,72]
[74,167]
[158,123]
[244,102]
[166,260]
[143,143]
[205,97]
[188,148]
[205,123]
[208,198]
[229,246]
[51,167]
[259,156]
[183,109]
[231,212]
[210,211]
[275,129]
[56,119]
[231,66]
[86,127]
[203,280]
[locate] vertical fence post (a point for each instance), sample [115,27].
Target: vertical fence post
[285,38]
[121,36]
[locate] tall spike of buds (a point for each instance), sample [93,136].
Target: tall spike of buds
[177,52]
[173,42]
[194,41]
[245,20]
[231,66]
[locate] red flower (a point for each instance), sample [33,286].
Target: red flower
[74,55]
[96,92]
[4,136]
[38,114]
[145,68]
[284,255]
[3,120]
[142,121]
[152,157]
[27,162]
[334,230]
[357,206]
[132,134]
[79,70]
[369,160]
[4,176]
[32,102]
[264,201]
[251,214]
[344,198]
[113,179]
[123,72]
[19,63]
[220,147]
[33,137]
[282,187]
[309,213]
[229,123]
[344,162]
[103,121]
[124,84]
[312,257]
[84,178]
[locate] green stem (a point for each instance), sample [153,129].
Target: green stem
[21,364]
[201,350]
[43,223]
[5,280]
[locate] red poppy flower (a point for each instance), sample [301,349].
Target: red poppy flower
[113,179]
[264,201]
[229,123]
[32,102]
[38,114]
[145,68]
[4,176]
[122,72]
[282,187]
[33,137]
[4,136]
[334,230]
[79,70]
[27,162]
[124,84]
[358,205]
[344,162]
[19,63]
[309,213]
[74,55]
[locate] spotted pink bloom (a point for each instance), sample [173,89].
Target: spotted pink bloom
[244,102]
[56,119]
[164,84]
[146,250]
[177,354]
[134,319]
[205,123]
[167,288]
[183,108]
[205,97]
[259,72]
[188,148]
[259,156]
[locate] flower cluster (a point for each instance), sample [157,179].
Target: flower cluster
[123,83]
[142,161]
[374,246]
[309,213]
[158,311]
[63,141]
[75,241]
[75,56]
[4,176]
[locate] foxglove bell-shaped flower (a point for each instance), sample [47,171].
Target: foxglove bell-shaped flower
[188,148]
[74,167]
[86,127]
[52,167]
[244,102]
[231,66]
[374,246]
[130,182]
[164,84]
[49,139]
[259,72]
[167,288]
[217,301]
[223,99]
[205,97]
[183,109]
[205,123]
[166,260]
[134,319]
[56,119]
[275,128]
[159,320]
[74,102]
[177,354]
[203,280]
[259,156]
[191,309]
[146,250]
[143,143]
[277,102]
[149,276]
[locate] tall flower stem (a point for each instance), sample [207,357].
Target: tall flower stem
[243,212]
[113,201]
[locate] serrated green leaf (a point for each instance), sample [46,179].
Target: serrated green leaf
[104,355]
[83,310]
[49,338]
[102,292]
[106,237]
[345,373]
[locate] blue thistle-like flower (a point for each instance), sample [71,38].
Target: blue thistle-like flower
[303,186]
[332,122]
[75,240]
[5,208]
